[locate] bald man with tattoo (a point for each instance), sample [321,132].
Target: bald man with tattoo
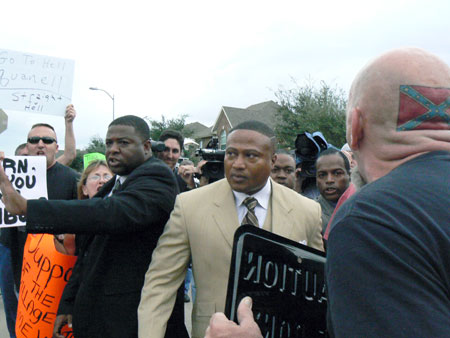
[388,261]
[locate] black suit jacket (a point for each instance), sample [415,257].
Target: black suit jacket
[119,234]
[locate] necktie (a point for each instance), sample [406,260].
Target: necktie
[250,217]
[116,187]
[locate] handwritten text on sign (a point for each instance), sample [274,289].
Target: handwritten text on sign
[35,83]
[45,273]
[28,175]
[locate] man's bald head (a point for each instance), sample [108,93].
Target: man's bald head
[387,121]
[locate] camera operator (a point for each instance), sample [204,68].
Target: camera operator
[170,153]
[307,149]
[210,168]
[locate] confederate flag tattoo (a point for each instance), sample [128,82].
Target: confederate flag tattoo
[423,108]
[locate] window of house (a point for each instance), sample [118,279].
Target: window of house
[223,139]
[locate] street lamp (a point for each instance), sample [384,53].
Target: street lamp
[104,91]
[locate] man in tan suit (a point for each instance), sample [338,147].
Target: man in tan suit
[203,223]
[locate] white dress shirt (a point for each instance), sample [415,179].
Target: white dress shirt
[263,198]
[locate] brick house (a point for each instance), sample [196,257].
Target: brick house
[230,116]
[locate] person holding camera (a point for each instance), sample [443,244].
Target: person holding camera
[174,141]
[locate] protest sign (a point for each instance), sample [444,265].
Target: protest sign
[45,273]
[285,280]
[88,158]
[35,83]
[28,175]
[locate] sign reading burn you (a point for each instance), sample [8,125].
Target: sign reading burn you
[286,281]
[28,175]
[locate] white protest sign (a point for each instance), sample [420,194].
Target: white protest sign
[35,83]
[28,175]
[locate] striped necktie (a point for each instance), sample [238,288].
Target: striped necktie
[116,187]
[250,217]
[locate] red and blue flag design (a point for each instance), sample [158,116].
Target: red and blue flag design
[423,108]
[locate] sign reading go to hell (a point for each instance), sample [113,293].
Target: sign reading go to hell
[28,175]
[35,83]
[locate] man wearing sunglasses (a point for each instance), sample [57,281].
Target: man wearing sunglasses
[61,180]
[61,184]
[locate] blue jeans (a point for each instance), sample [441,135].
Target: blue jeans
[7,287]
[190,280]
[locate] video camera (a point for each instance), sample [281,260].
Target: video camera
[214,157]
[307,148]
[157,146]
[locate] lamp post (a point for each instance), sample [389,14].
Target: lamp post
[104,91]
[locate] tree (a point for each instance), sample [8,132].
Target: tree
[96,145]
[310,108]
[157,127]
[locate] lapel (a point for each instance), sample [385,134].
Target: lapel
[106,187]
[224,213]
[282,207]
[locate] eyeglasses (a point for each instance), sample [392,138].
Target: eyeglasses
[45,139]
[98,177]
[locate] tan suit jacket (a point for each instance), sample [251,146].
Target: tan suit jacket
[202,225]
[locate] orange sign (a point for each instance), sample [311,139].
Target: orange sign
[45,273]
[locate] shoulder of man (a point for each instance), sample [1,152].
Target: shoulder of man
[217,188]
[155,169]
[58,167]
[152,166]
[291,196]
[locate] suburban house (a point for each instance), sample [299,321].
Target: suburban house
[229,117]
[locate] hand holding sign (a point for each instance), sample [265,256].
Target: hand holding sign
[70,114]
[14,203]
[21,178]
[221,327]
[60,322]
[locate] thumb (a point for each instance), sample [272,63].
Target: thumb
[69,321]
[244,311]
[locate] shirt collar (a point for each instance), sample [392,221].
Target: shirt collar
[121,178]
[262,196]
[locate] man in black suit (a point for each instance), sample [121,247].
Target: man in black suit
[120,228]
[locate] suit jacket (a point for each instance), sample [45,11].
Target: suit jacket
[119,234]
[203,224]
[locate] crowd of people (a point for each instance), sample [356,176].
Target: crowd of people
[141,223]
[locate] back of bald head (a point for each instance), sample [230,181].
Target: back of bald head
[378,92]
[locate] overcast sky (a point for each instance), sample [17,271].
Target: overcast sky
[193,57]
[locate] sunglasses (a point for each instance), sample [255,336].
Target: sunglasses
[45,139]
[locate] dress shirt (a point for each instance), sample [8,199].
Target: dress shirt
[121,179]
[263,198]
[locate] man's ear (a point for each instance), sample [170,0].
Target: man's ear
[147,147]
[274,159]
[356,128]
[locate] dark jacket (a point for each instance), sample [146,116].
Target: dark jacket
[119,235]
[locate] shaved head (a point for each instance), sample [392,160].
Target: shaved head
[398,108]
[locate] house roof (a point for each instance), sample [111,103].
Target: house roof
[264,112]
[197,130]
